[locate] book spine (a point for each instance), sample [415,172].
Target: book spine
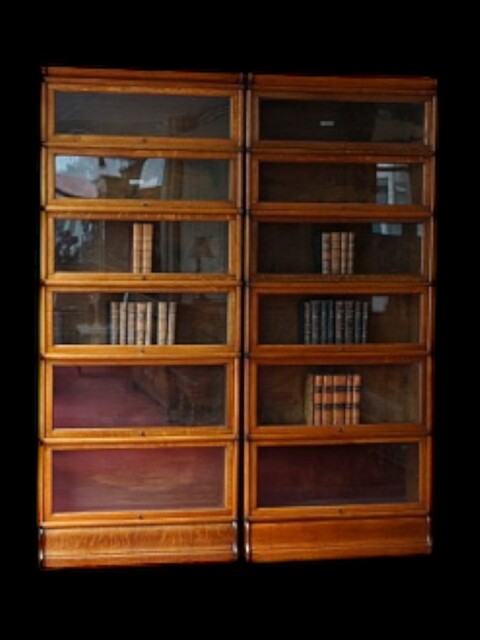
[148,322]
[349,399]
[122,329]
[339,321]
[335,252]
[356,397]
[350,252]
[330,321]
[357,322]
[364,335]
[307,322]
[141,310]
[343,252]
[326,253]
[317,399]
[172,320]
[315,312]
[147,248]
[339,398]
[349,321]
[162,322]
[137,248]
[323,322]
[327,412]
[114,322]
[131,322]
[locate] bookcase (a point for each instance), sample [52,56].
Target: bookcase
[236,336]
[339,263]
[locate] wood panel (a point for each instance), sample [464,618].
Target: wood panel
[337,538]
[102,546]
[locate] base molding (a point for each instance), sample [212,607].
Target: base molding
[331,539]
[106,546]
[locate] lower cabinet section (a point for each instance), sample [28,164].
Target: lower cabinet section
[104,546]
[342,538]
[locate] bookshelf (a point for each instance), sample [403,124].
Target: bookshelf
[339,265]
[237,316]
[141,287]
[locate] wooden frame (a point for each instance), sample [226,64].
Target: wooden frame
[54,204]
[146,433]
[57,277]
[289,432]
[420,507]
[231,143]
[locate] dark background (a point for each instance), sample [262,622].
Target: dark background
[411,54]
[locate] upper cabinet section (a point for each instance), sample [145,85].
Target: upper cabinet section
[387,114]
[141,109]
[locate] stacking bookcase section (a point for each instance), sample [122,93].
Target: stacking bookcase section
[141,290]
[339,269]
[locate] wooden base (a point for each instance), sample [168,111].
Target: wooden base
[137,545]
[355,538]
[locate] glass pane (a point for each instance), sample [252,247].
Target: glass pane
[381,248]
[96,177]
[346,474]
[339,320]
[342,395]
[328,120]
[140,318]
[365,183]
[138,479]
[129,114]
[158,247]
[138,396]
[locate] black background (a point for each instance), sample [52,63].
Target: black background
[404,581]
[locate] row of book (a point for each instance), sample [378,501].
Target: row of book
[333,399]
[142,249]
[338,248]
[334,321]
[142,322]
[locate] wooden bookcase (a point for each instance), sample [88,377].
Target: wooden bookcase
[230,260]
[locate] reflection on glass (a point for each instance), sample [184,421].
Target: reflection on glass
[91,397]
[96,177]
[170,247]
[384,394]
[138,479]
[140,318]
[346,474]
[385,183]
[338,320]
[383,248]
[129,114]
[326,120]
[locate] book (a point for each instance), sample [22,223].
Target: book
[357,322]
[343,251]
[162,315]
[140,319]
[364,332]
[349,321]
[330,305]
[339,398]
[137,248]
[326,253]
[307,322]
[148,322]
[317,399]
[339,321]
[147,248]
[335,253]
[327,404]
[114,322]
[348,398]
[350,252]
[308,399]
[356,397]
[315,323]
[122,326]
[171,322]
[131,322]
